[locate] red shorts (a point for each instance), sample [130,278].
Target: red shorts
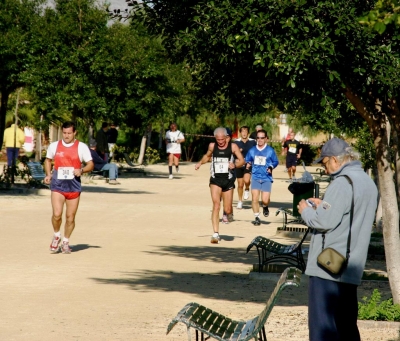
[69,195]
[176,155]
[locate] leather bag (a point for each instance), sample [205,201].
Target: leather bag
[331,260]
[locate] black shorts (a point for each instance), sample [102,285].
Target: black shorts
[240,172]
[225,184]
[291,160]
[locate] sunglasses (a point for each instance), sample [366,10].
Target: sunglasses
[261,138]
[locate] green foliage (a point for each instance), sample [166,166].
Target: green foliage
[151,156]
[384,13]
[364,145]
[374,309]
[370,276]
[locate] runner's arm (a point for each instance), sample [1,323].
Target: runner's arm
[239,162]
[206,157]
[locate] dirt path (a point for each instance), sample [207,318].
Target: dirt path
[140,252]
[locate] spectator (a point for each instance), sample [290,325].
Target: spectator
[112,135]
[101,165]
[14,138]
[102,142]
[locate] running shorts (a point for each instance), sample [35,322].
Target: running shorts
[225,184]
[291,160]
[240,172]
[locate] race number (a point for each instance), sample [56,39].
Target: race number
[65,173]
[221,165]
[260,160]
[292,150]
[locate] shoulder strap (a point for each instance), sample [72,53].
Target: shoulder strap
[351,217]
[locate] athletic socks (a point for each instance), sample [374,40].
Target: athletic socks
[215,235]
[57,234]
[170,169]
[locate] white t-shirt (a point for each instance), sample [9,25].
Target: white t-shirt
[173,147]
[83,150]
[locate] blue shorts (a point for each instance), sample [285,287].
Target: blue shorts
[261,185]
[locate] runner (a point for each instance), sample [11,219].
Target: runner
[222,181]
[293,153]
[262,158]
[65,182]
[243,174]
[173,140]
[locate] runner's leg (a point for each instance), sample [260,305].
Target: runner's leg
[216,193]
[57,203]
[72,208]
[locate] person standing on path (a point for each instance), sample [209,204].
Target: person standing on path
[333,305]
[262,159]
[222,181]
[101,165]
[112,136]
[173,140]
[13,139]
[243,174]
[293,150]
[102,142]
[65,182]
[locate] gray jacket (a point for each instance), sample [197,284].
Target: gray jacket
[333,217]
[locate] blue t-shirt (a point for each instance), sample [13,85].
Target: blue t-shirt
[260,161]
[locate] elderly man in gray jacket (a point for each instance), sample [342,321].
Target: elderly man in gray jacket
[333,304]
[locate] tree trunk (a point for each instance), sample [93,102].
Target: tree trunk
[390,212]
[149,131]
[3,111]
[377,122]
[142,150]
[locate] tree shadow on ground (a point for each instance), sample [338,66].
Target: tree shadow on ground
[112,189]
[218,286]
[208,253]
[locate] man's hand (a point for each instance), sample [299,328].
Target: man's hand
[78,172]
[197,166]
[47,179]
[231,165]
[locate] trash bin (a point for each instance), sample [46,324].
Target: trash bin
[301,190]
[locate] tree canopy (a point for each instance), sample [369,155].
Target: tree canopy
[311,58]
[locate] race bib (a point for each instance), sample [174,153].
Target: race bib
[260,160]
[65,173]
[221,165]
[292,150]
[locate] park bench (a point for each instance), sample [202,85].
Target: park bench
[220,327]
[36,172]
[100,173]
[270,251]
[292,220]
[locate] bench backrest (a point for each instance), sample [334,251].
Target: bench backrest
[36,170]
[290,277]
[224,328]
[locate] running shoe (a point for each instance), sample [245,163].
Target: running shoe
[171,177]
[257,221]
[225,219]
[55,244]
[239,205]
[230,217]
[177,169]
[65,248]
[246,194]
[215,240]
[265,211]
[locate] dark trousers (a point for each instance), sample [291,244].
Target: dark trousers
[12,153]
[332,311]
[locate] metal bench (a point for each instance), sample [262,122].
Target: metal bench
[270,251]
[294,220]
[220,327]
[36,173]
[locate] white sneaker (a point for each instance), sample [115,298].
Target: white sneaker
[246,195]
[239,205]
[171,177]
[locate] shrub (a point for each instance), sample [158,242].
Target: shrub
[374,309]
